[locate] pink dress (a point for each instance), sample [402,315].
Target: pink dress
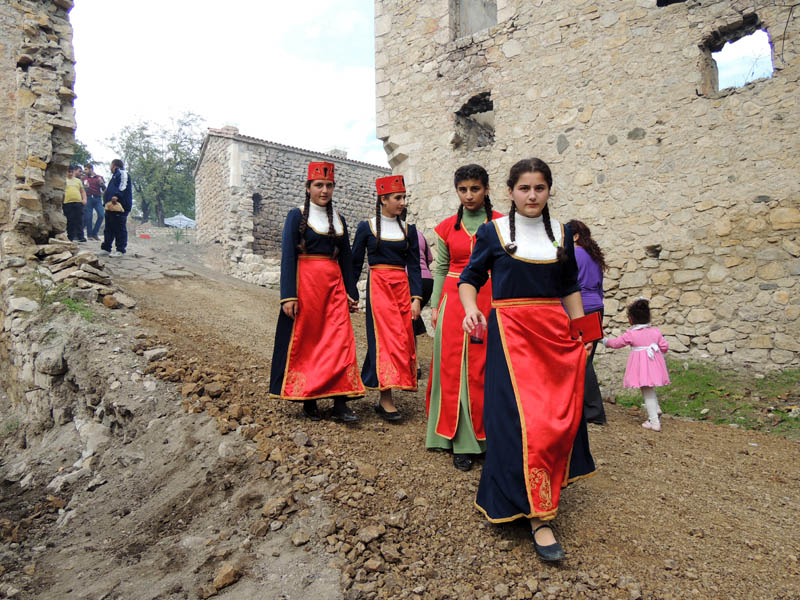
[646,365]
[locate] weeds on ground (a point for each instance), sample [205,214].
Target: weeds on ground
[39,287]
[180,236]
[78,307]
[706,392]
[9,427]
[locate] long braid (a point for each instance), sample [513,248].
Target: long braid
[331,229]
[487,206]
[512,245]
[560,254]
[304,223]
[405,233]
[459,217]
[378,222]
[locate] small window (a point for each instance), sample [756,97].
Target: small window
[744,60]
[470,16]
[475,123]
[735,55]
[257,201]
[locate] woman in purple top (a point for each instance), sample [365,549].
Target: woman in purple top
[425,259]
[591,264]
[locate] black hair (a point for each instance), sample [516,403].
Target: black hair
[532,165]
[378,206]
[586,242]
[639,311]
[477,172]
[117,163]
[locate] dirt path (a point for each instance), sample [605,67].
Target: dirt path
[698,511]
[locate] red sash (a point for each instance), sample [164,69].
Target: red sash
[395,352]
[547,372]
[322,351]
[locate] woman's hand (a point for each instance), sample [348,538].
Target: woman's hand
[352,305]
[474,316]
[434,317]
[290,308]
[416,307]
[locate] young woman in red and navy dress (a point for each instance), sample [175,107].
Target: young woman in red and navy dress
[535,434]
[315,350]
[394,294]
[454,398]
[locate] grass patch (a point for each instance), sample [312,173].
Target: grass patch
[40,288]
[78,307]
[703,391]
[9,427]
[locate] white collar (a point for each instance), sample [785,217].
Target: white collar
[530,237]
[318,219]
[390,230]
[640,326]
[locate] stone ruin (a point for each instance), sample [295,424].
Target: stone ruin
[692,192]
[245,187]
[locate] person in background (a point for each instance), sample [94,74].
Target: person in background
[394,295]
[94,185]
[425,260]
[314,355]
[591,264]
[117,196]
[74,201]
[454,399]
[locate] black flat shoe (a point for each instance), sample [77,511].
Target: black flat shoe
[386,415]
[311,411]
[551,553]
[462,462]
[344,416]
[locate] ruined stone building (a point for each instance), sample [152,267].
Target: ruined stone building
[691,191]
[36,80]
[244,187]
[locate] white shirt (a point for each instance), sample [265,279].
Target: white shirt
[390,230]
[531,238]
[318,219]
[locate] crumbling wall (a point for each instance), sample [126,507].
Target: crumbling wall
[246,186]
[36,135]
[692,193]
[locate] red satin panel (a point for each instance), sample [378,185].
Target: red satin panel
[454,344]
[322,352]
[547,370]
[390,302]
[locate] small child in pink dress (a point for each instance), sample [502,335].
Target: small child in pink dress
[646,368]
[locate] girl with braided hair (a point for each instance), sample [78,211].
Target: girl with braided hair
[454,398]
[315,352]
[535,435]
[394,294]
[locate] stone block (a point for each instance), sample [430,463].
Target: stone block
[786,342]
[691,299]
[772,270]
[760,341]
[723,335]
[700,315]
[784,218]
[637,279]
[681,277]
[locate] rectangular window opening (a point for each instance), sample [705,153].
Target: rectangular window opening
[470,16]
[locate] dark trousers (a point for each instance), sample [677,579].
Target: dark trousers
[94,204]
[116,231]
[74,213]
[593,409]
[427,290]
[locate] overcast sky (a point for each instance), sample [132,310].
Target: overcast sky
[300,73]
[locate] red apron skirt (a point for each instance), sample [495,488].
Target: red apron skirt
[320,348]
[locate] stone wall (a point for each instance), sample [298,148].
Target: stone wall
[692,193]
[233,168]
[36,81]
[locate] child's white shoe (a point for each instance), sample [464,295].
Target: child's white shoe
[651,427]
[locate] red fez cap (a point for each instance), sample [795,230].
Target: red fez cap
[390,185]
[320,170]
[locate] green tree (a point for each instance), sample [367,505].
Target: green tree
[161,162]
[80,153]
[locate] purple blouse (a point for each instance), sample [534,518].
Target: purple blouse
[425,256]
[590,276]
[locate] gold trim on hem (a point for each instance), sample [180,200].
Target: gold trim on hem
[315,257]
[545,516]
[392,387]
[524,302]
[391,267]
[578,478]
[287,300]
[327,395]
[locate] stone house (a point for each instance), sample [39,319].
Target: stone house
[244,187]
[692,191]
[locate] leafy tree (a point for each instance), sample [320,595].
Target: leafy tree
[161,162]
[80,153]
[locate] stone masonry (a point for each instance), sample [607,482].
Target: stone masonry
[36,81]
[245,186]
[692,192]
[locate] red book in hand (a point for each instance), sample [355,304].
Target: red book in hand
[588,328]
